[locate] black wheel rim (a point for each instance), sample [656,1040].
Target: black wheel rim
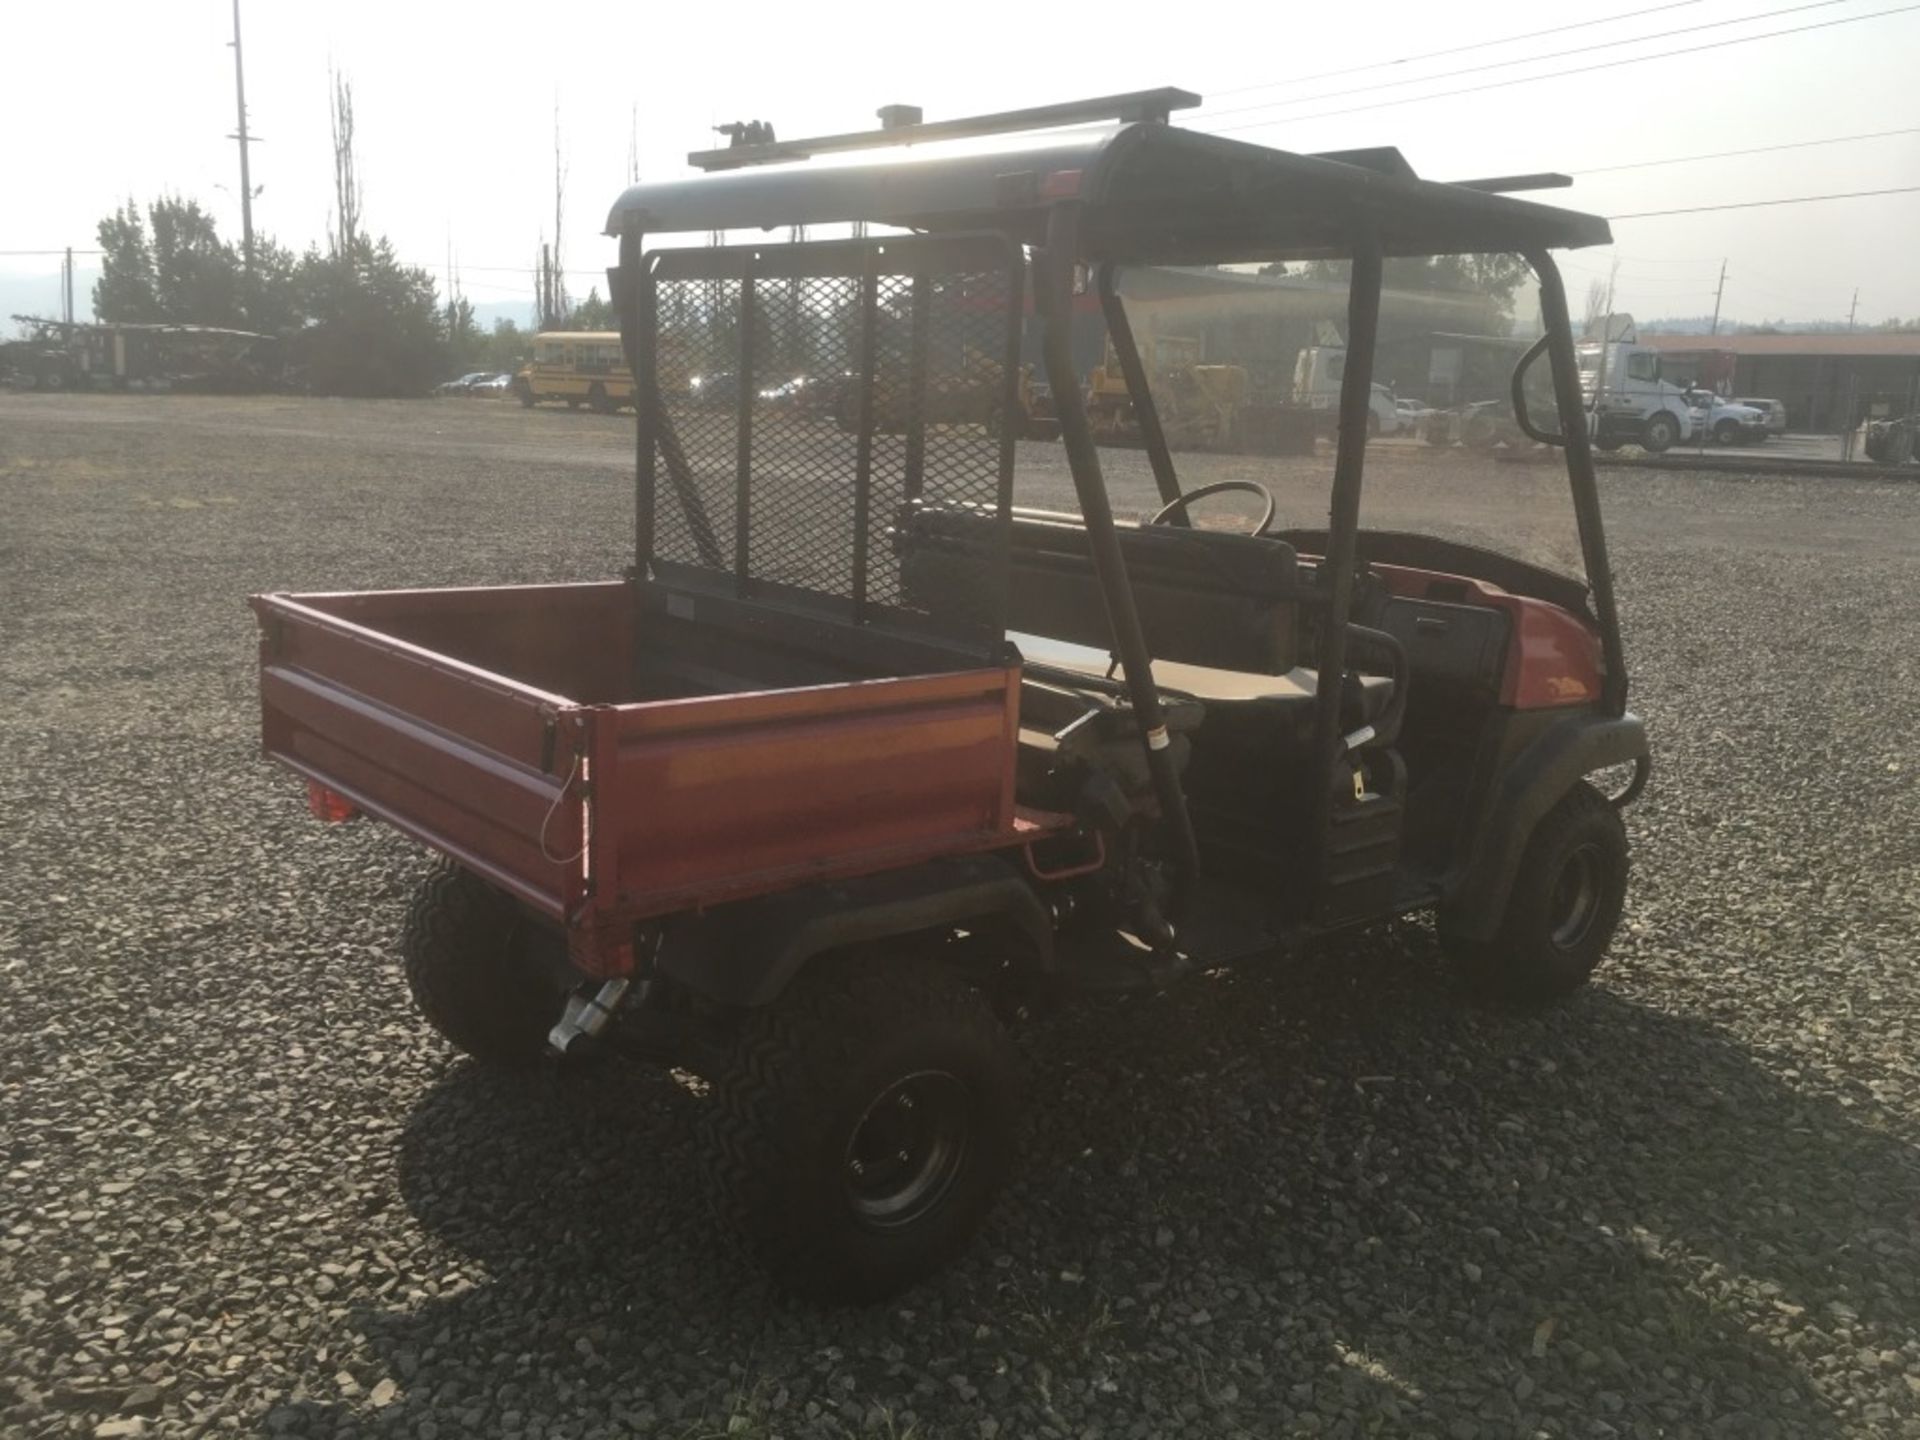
[908,1149]
[1576,897]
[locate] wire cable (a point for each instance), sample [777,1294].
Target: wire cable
[1756,150]
[1527,59]
[1563,74]
[1456,50]
[1758,204]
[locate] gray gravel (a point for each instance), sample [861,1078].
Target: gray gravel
[246,1192]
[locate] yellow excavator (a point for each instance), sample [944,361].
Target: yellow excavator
[1200,405]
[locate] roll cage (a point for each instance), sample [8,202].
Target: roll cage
[1071,208]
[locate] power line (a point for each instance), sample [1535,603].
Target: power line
[1529,59]
[1456,50]
[1756,150]
[1757,204]
[1563,74]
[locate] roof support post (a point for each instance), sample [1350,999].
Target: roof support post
[1140,392]
[1572,406]
[635,295]
[1343,521]
[1055,295]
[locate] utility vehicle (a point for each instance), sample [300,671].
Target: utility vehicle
[860,763]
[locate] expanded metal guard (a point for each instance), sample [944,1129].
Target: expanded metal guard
[809,400]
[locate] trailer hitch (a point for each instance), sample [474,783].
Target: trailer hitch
[586,1014]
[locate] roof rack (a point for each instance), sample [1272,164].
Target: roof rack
[1135,105]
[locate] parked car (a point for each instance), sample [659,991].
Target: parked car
[464,385]
[718,389]
[1412,411]
[1775,411]
[491,387]
[1725,422]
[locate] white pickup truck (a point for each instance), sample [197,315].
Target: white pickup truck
[1727,422]
[1630,403]
[1317,372]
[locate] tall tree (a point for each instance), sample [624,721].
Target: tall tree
[124,292]
[196,275]
[347,195]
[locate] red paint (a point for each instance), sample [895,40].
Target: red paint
[329,806]
[1553,658]
[604,813]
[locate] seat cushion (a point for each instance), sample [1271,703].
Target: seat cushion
[1282,700]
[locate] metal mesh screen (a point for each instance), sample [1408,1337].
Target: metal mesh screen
[813,401]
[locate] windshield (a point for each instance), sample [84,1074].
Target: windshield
[1256,389]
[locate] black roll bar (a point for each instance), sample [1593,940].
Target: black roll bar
[1054,292]
[1580,473]
[1343,521]
[1145,412]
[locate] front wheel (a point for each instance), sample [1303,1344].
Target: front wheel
[862,1125]
[1561,915]
[1660,433]
[1727,433]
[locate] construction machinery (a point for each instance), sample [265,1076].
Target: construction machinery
[1200,405]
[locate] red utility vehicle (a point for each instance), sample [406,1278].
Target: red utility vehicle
[859,761]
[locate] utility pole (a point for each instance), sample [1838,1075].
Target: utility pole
[1853,308]
[246,178]
[1721,289]
[66,288]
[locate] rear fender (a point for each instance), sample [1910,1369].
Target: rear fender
[1533,784]
[745,953]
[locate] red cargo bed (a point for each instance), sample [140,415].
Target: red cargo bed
[528,732]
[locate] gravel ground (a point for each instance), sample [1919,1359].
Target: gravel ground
[247,1192]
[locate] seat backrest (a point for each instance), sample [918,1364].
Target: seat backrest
[1205,597]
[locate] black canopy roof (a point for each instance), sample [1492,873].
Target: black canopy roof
[1153,193]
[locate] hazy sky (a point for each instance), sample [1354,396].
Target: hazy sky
[455,107]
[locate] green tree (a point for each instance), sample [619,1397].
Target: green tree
[593,313]
[270,300]
[196,275]
[124,293]
[377,325]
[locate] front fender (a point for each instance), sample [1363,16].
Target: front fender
[745,953]
[1533,784]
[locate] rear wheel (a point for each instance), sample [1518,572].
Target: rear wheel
[1565,904]
[862,1125]
[473,964]
[1661,432]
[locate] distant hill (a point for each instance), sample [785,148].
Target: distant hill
[518,311]
[1702,324]
[40,295]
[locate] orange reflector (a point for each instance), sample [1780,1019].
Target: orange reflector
[329,805]
[1060,185]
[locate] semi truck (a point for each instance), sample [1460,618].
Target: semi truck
[1630,402]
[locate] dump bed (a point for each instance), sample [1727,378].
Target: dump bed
[528,733]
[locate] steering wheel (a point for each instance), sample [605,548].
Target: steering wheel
[1219,487]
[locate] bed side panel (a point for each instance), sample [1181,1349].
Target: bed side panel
[712,798]
[469,763]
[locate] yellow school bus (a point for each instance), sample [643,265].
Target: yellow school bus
[581,367]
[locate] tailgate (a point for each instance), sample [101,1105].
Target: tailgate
[458,757]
